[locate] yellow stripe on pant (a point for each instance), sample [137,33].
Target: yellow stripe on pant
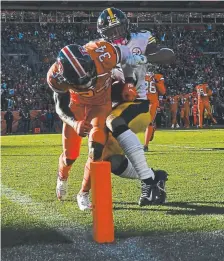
[137,124]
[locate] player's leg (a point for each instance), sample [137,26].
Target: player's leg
[117,122]
[186,117]
[122,166]
[173,117]
[208,108]
[182,112]
[200,113]
[97,138]
[195,112]
[71,150]
[149,133]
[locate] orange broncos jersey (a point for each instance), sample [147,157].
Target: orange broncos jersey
[105,57]
[155,85]
[173,100]
[203,88]
[185,100]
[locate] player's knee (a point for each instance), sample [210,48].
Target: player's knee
[116,125]
[69,162]
[98,135]
[95,150]
[119,164]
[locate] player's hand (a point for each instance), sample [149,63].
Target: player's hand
[82,128]
[129,92]
[135,60]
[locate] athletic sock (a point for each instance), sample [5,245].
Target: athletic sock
[129,172]
[133,149]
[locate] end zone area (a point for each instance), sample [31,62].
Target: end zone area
[35,226]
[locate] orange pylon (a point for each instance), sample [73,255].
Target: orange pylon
[103,224]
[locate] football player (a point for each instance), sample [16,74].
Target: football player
[155,86]
[174,103]
[120,164]
[119,120]
[113,26]
[81,77]
[203,94]
[185,100]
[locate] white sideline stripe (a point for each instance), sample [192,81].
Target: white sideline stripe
[182,147]
[39,210]
[128,248]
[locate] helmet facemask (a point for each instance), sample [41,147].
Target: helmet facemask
[113,26]
[116,34]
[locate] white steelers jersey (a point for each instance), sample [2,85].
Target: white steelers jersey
[137,45]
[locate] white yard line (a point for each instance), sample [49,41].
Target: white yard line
[127,249]
[39,210]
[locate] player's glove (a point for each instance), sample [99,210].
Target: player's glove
[129,92]
[82,128]
[135,60]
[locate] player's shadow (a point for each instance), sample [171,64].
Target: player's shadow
[12,236]
[156,152]
[193,208]
[217,148]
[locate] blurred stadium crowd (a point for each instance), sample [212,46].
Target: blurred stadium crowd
[28,49]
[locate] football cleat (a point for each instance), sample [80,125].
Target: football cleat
[62,189]
[146,149]
[83,201]
[172,127]
[154,194]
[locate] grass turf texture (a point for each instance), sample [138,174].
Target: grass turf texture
[193,159]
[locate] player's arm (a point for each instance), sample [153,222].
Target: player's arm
[161,88]
[157,53]
[62,101]
[160,85]
[209,91]
[125,57]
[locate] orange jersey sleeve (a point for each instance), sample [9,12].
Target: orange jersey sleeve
[209,91]
[160,83]
[203,88]
[104,55]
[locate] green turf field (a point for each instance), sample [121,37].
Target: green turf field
[193,159]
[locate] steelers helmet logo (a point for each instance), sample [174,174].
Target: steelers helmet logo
[136,50]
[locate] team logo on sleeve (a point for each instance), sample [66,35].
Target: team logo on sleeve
[83,51]
[136,50]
